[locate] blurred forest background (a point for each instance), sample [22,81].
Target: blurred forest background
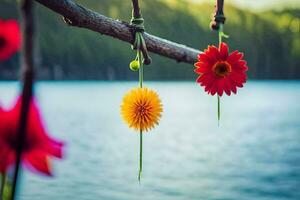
[270,40]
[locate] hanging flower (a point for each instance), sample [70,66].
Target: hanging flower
[220,72]
[10,38]
[141,109]
[38,146]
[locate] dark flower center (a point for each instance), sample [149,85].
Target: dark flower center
[222,68]
[2,42]
[11,140]
[141,110]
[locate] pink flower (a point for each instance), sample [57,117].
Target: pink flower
[38,147]
[10,38]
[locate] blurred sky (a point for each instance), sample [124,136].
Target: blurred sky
[260,4]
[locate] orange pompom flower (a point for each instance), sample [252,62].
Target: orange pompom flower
[220,72]
[141,109]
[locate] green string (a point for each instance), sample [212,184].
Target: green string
[221,35]
[219,110]
[139,44]
[141,79]
[138,23]
[141,156]
[220,41]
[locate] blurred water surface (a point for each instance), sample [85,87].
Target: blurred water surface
[254,154]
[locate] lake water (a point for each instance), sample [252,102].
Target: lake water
[253,155]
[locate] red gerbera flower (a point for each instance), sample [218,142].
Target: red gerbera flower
[220,72]
[38,147]
[10,38]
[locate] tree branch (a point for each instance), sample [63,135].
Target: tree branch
[77,15]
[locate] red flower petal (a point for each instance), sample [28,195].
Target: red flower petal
[213,89]
[54,149]
[10,38]
[213,53]
[240,65]
[224,51]
[199,79]
[209,83]
[238,76]
[227,87]
[38,145]
[217,79]
[39,161]
[207,79]
[202,65]
[234,57]
[201,68]
[220,85]
[3,160]
[233,87]
[202,57]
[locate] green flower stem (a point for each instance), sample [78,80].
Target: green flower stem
[3,182]
[221,34]
[141,155]
[219,110]
[141,79]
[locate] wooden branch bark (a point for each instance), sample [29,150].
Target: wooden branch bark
[77,15]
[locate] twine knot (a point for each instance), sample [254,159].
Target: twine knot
[139,41]
[138,24]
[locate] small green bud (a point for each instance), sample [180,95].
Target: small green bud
[134,65]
